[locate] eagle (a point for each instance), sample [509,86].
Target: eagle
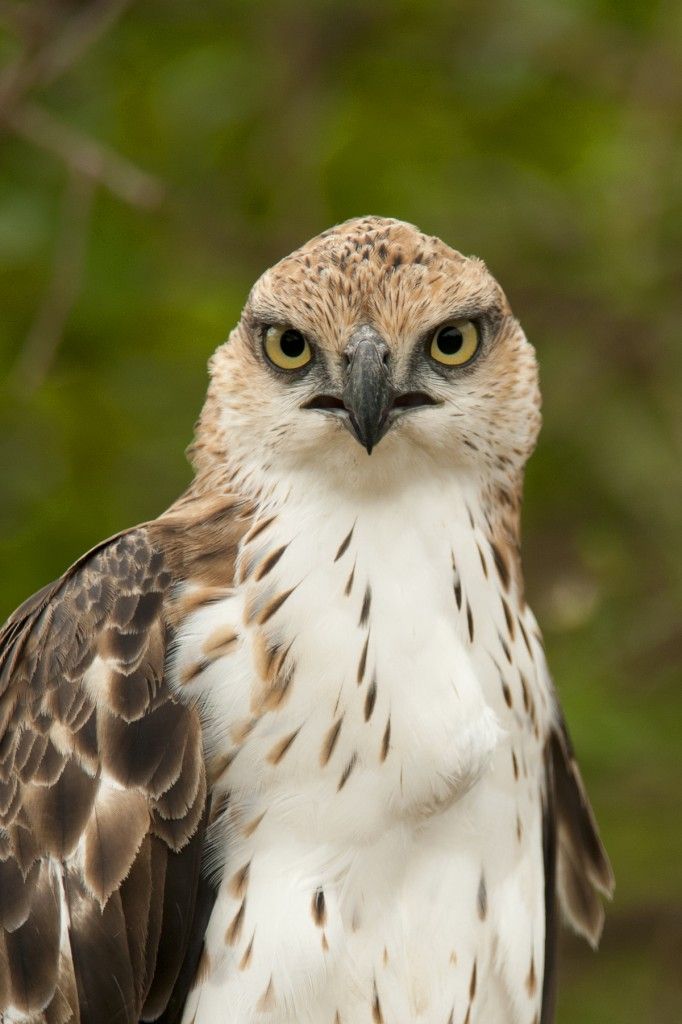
[290,753]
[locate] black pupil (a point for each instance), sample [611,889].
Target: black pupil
[450,340]
[292,344]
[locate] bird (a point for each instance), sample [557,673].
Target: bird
[291,752]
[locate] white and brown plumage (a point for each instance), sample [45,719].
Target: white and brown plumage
[290,752]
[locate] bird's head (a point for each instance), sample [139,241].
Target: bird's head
[370,347]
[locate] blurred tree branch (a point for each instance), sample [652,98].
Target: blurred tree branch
[35,68]
[41,344]
[46,55]
[85,156]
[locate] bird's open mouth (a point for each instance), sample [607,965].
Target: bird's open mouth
[326,403]
[409,400]
[413,400]
[386,416]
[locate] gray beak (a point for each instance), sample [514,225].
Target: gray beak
[368,394]
[369,403]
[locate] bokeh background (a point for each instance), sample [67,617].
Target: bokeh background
[156,156]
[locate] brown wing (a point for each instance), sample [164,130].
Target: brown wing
[583,871]
[102,796]
[577,868]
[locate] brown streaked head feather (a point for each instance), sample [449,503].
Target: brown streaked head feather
[387,276]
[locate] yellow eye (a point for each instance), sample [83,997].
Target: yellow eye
[287,348]
[455,344]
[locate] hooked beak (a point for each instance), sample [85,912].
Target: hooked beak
[369,398]
[368,393]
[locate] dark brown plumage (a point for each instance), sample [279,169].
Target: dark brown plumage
[84,700]
[583,870]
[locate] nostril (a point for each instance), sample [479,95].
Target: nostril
[385,357]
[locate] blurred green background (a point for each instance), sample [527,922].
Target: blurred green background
[156,156]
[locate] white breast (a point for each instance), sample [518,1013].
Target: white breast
[382,858]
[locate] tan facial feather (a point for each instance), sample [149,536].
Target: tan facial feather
[392,277]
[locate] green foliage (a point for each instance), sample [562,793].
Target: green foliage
[544,137]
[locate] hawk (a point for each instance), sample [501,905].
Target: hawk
[290,752]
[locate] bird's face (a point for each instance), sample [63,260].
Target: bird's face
[372,346]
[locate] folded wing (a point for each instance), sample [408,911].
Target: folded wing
[577,869]
[102,797]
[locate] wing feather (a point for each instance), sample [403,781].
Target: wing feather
[58,811]
[33,947]
[584,873]
[136,902]
[103,790]
[577,869]
[114,833]
[99,953]
[178,906]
